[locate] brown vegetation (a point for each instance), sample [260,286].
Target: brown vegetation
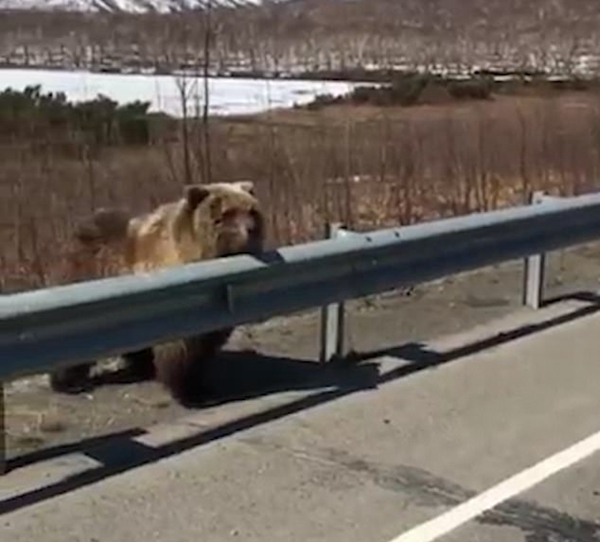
[366,166]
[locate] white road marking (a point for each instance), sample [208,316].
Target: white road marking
[442,525]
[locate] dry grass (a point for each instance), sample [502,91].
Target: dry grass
[366,167]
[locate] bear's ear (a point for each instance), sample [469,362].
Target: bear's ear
[195,194]
[246,186]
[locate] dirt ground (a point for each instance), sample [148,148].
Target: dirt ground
[281,355]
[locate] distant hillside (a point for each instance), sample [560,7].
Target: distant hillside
[300,36]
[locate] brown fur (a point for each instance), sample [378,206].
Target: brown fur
[209,221]
[99,246]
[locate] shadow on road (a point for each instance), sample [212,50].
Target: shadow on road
[245,375]
[425,358]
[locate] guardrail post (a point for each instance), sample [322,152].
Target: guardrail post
[332,317]
[2,431]
[533,287]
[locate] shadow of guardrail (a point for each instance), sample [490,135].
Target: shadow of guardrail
[118,452]
[425,358]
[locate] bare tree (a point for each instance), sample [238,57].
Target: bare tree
[183,85]
[206,67]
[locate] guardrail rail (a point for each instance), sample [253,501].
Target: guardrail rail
[43,329]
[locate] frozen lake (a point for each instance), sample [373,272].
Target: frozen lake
[227,96]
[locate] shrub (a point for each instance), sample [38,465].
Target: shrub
[38,117]
[412,89]
[476,89]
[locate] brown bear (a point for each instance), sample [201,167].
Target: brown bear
[209,221]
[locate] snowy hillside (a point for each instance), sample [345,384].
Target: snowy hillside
[132,6]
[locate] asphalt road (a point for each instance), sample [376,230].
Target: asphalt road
[404,439]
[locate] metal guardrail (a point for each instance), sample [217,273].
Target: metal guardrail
[42,329]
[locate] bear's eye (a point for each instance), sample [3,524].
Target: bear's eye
[226,217]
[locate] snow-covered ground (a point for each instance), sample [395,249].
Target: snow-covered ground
[132,6]
[226,96]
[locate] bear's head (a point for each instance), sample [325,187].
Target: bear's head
[226,217]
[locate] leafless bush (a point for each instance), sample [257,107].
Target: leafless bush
[365,169]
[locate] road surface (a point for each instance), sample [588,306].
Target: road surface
[476,436]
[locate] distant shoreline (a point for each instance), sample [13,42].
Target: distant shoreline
[248,94]
[353,75]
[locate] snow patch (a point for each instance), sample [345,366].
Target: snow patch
[227,96]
